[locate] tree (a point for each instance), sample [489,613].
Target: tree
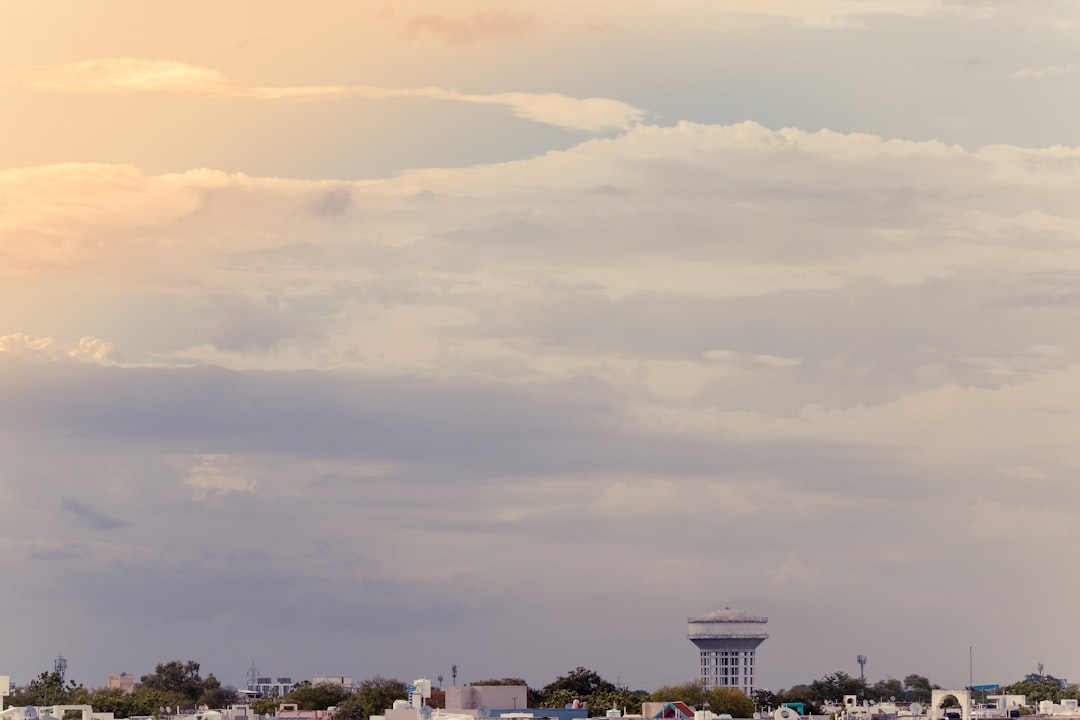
[553,698]
[578,684]
[265,705]
[112,700]
[799,694]
[887,689]
[833,688]
[1037,687]
[581,681]
[144,701]
[691,693]
[317,697]
[719,700]
[764,699]
[373,697]
[48,688]
[917,688]
[620,698]
[504,681]
[180,678]
[219,697]
[732,701]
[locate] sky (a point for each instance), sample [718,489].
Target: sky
[357,338]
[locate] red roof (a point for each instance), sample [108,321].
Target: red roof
[677,709]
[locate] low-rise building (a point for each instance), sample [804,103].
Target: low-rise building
[343,681]
[269,687]
[123,682]
[473,697]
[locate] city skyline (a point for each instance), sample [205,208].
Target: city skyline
[367,337]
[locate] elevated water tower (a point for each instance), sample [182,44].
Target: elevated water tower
[727,641]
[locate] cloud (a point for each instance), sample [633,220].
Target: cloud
[124,74]
[481,371]
[214,476]
[87,349]
[91,349]
[90,517]
[481,25]
[138,75]
[589,114]
[834,13]
[992,519]
[1050,70]
[625,500]
[24,345]
[250,324]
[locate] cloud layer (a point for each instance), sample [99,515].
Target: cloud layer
[712,326]
[137,75]
[308,342]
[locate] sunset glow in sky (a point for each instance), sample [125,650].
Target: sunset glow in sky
[361,338]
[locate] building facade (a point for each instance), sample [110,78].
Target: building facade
[123,682]
[272,687]
[727,642]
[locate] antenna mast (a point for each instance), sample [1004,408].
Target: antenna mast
[253,676]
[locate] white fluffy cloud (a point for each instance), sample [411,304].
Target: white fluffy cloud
[87,349]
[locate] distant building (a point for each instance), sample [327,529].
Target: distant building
[473,697]
[271,687]
[474,702]
[123,682]
[291,712]
[727,642]
[343,681]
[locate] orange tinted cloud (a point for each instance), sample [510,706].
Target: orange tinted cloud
[120,74]
[134,75]
[481,25]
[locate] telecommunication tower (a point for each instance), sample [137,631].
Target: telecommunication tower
[252,676]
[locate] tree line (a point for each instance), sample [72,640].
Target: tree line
[173,684]
[179,686]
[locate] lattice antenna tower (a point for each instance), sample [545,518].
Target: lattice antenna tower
[253,676]
[60,667]
[862,667]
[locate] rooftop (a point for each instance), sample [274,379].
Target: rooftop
[728,615]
